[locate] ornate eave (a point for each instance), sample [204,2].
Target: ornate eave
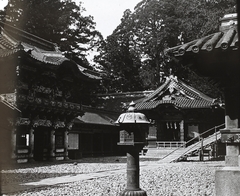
[50,106]
[45,53]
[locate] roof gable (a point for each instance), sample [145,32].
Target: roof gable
[177,93]
[172,88]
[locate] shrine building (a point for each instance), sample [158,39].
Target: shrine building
[44,94]
[179,113]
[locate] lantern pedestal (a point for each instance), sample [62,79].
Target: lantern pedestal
[133,188]
[134,127]
[227,181]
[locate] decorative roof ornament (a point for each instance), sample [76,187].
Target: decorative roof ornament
[9,100]
[131,106]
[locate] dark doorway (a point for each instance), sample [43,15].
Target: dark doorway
[172,131]
[41,143]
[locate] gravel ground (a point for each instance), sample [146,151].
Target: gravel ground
[176,179]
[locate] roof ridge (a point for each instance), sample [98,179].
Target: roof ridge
[168,79]
[179,85]
[30,37]
[199,93]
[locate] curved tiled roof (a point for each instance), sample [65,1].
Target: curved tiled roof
[219,41]
[178,94]
[51,57]
[225,39]
[43,51]
[181,102]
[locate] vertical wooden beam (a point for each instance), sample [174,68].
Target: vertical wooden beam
[52,143]
[13,142]
[66,144]
[181,124]
[31,144]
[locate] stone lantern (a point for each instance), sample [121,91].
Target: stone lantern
[134,127]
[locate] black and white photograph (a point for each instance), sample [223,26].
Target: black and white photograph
[119,98]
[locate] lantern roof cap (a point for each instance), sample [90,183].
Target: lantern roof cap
[131,117]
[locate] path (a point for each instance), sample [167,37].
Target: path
[12,188]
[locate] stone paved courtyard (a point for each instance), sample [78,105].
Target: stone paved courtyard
[107,176]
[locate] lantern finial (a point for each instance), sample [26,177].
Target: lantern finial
[131,107]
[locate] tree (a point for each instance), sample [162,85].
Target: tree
[156,25]
[201,18]
[119,58]
[58,21]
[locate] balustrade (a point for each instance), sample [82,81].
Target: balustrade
[171,144]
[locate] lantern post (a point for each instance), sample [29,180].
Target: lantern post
[134,127]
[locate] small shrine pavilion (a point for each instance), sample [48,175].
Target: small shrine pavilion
[45,92]
[179,112]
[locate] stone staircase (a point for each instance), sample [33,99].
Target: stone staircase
[157,153]
[182,153]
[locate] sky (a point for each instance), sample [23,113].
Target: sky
[3,3]
[107,13]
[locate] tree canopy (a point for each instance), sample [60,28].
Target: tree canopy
[153,26]
[132,56]
[58,21]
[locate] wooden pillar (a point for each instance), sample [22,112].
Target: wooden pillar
[52,144]
[92,143]
[13,143]
[31,145]
[66,133]
[160,130]
[181,131]
[102,141]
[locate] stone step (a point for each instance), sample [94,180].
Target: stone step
[179,153]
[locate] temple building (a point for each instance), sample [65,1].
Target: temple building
[182,112]
[44,92]
[96,134]
[179,113]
